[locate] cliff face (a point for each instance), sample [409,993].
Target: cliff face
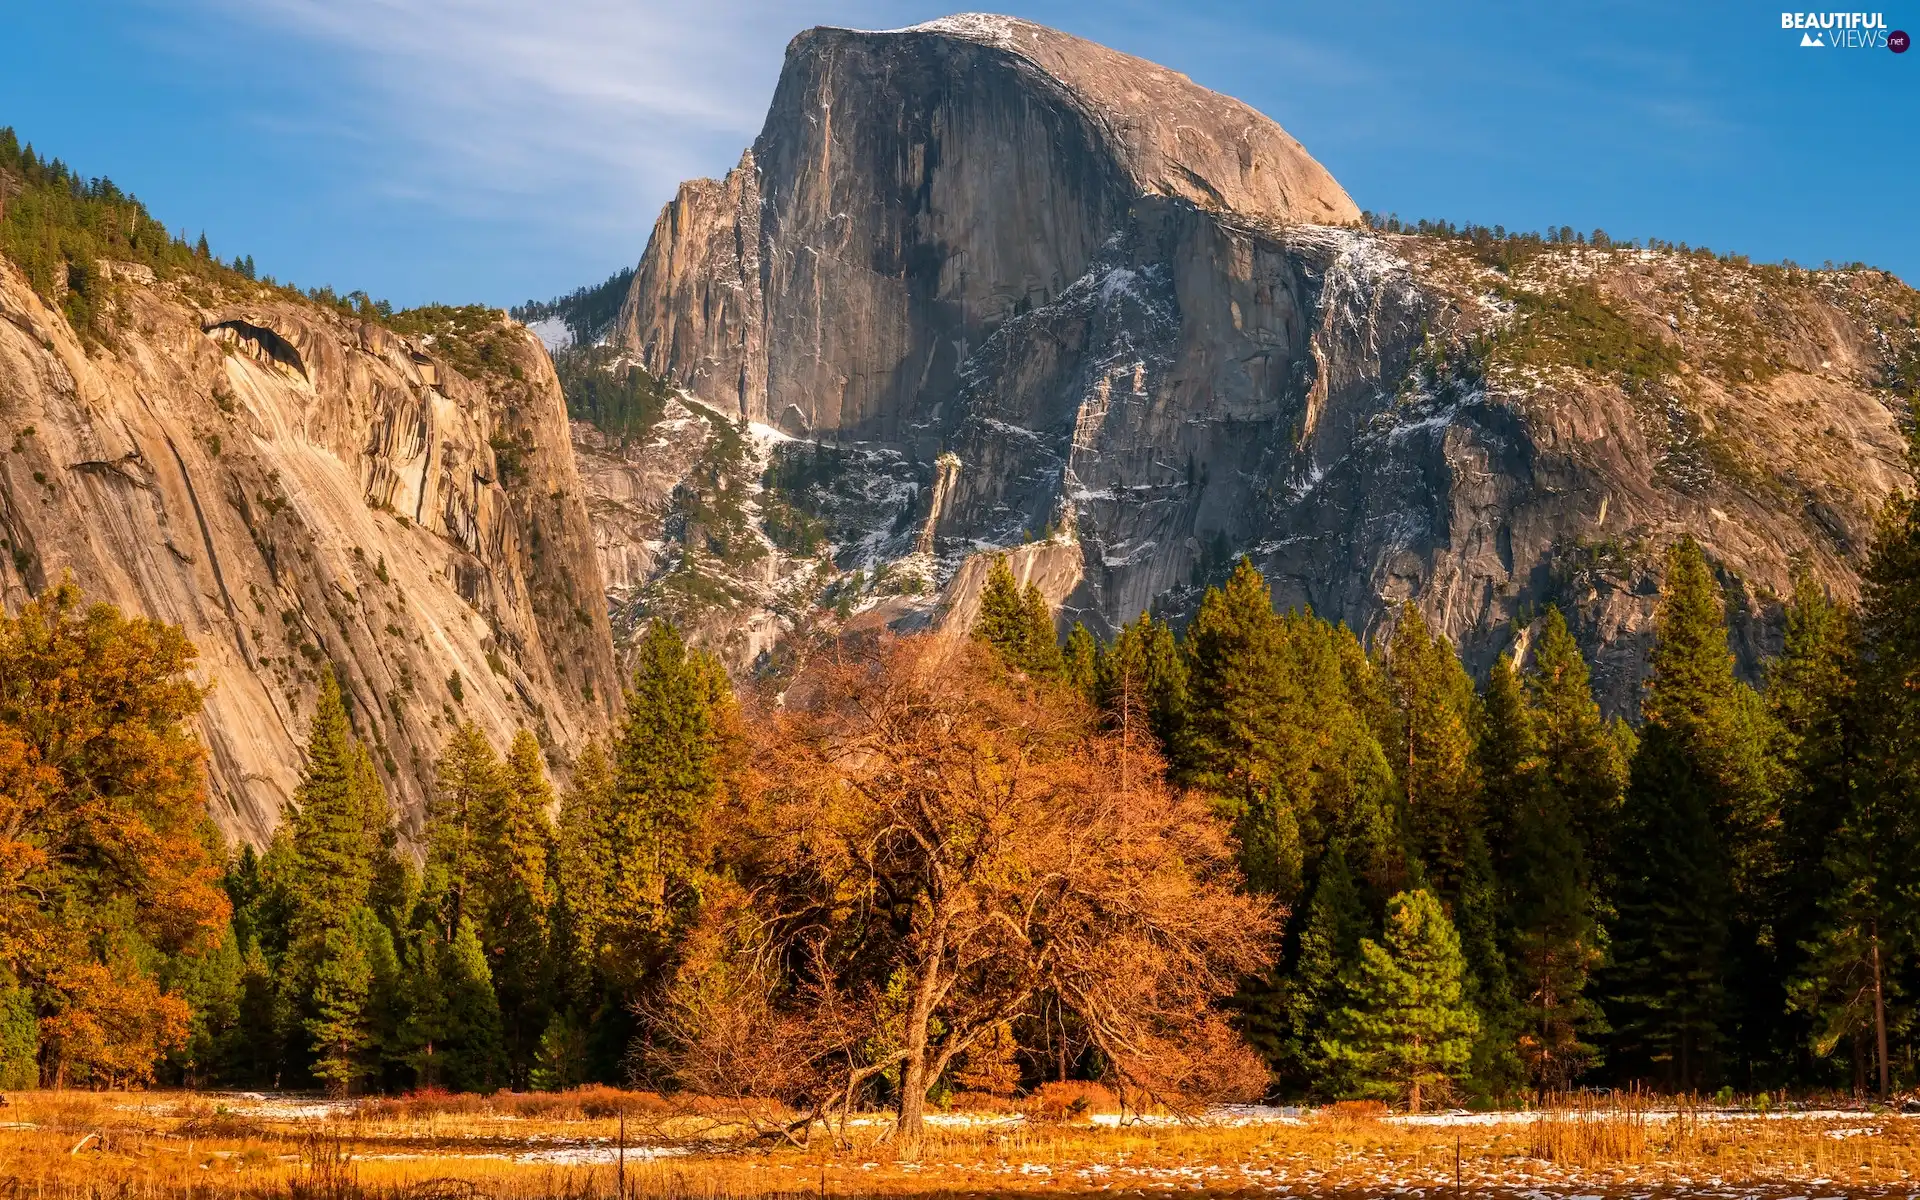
[1093,309]
[297,488]
[911,192]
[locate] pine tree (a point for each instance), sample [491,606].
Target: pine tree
[1002,619]
[1077,661]
[1407,1031]
[470,783]
[19,1039]
[1847,708]
[332,856]
[515,930]
[1581,759]
[340,981]
[1495,1068]
[1553,939]
[1233,647]
[423,1033]
[666,776]
[1140,683]
[257,1055]
[1039,651]
[1433,750]
[332,864]
[472,1056]
[1694,858]
[1288,1016]
[1506,756]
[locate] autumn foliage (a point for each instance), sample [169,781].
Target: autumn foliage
[934,847]
[105,866]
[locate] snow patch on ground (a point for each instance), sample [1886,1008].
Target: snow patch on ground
[553,333]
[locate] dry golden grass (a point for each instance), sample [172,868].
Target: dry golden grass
[175,1146]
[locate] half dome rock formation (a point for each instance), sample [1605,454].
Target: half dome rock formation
[300,489]
[914,190]
[1053,294]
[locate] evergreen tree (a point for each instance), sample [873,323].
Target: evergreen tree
[1694,859]
[590,1019]
[19,1039]
[1433,748]
[1077,665]
[332,857]
[1140,682]
[470,786]
[331,864]
[1553,938]
[666,776]
[261,1017]
[1407,1031]
[1582,761]
[1002,619]
[1849,705]
[340,981]
[472,1056]
[516,929]
[1039,652]
[1287,1017]
[1232,645]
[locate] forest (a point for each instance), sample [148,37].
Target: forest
[1254,857]
[1249,856]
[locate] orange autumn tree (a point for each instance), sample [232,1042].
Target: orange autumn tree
[931,846]
[105,860]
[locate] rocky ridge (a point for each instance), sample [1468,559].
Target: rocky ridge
[1091,313]
[299,488]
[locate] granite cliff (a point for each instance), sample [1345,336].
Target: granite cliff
[980,284]
[298,487]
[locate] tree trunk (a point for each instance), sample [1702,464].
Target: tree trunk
[1879,1007]
[910,1126]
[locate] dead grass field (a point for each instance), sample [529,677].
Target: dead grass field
[180,1146]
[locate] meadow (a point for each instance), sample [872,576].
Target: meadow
[599,1143]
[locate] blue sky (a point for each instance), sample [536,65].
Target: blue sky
[497,150]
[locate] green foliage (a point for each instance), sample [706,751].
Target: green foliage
[516,928]
[618,397]
[1140,681]
[1578,328]
[19,1040]
[1078,660]
[798,479]
[339,980]
[589,312]
[57,227]
[1695,856]
[708,510]
[475,340]
[1432,748]
[1407,1030]
[666,774]
[1017,623]
[472,1057]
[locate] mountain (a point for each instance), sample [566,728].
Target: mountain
[300,484]
[979,284]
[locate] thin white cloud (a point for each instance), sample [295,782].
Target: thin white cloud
[592,110]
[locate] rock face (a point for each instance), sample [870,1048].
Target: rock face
[910,193]
[1096,308]
[299,489]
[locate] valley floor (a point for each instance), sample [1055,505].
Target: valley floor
[599,1143]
